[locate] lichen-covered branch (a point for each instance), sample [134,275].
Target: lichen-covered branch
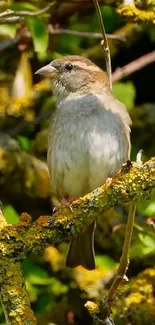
[14,297]
[137,302]
[13,294]
[136,15]
[132,183]
[32,173]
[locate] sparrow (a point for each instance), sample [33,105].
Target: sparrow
[88,140]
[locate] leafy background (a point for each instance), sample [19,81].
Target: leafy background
[58,294]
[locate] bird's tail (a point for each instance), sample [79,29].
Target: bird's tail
[81,250]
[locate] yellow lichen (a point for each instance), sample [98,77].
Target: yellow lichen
[43,220]
[134,298]
[25,218]
[136,15]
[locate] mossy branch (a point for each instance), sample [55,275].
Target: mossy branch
[32,173]
[13,294]
[132,183]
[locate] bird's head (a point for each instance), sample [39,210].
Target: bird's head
[72,74]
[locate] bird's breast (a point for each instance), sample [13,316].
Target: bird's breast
[85,147]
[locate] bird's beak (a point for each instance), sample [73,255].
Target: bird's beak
[47,71]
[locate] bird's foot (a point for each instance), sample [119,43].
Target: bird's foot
[67,202]
[108,180]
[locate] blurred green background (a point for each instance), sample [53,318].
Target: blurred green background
[58,294]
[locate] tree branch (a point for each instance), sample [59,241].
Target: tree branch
[133,66]
[32,173]
[9,43]
[13,294]
[62,31]
[130,184]
[26,12]
[18,15]
[11,20]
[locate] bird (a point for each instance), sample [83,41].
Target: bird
[88,140]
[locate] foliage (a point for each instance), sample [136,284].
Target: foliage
[25,107]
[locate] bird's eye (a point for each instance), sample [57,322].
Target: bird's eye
[68,67]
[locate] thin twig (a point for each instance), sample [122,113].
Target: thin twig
[124,261]
[133,66]
[26,12]
[9,43]
[104,43]
[11,20]
[16,16]
[59,31]
[6,13]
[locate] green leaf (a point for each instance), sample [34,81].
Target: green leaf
[10,214]
[23,6]
[24,142]
[39,33]
[143,245]
[125,92]
[105,261]
[57,288]
[150,209]
[148,241]
[147,208]
[35,274]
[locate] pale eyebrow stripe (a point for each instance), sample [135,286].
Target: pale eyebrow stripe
[85,66]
